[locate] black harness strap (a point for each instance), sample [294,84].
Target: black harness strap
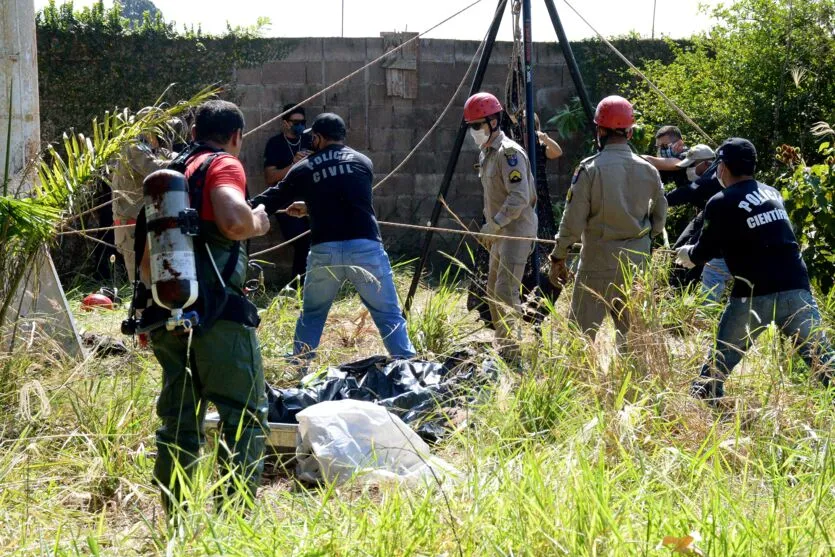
[228,306]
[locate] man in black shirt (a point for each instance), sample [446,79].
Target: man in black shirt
[333,187]
[747,224]
[702,184]
[283,151]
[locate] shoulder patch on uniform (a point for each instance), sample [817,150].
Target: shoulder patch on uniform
[515,176]
[569,195]
[512,155]
[579,169]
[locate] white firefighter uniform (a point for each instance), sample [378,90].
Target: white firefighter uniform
[510,201]
[615,206]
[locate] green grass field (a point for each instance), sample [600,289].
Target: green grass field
[583,453]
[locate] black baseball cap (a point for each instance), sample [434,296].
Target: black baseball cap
[738,154]
[329,125]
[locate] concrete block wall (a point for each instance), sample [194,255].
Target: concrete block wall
[387,128]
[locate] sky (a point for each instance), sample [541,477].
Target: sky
[367,18]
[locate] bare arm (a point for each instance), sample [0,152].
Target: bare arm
[234,217]
[273,175]
[552,148]
[662,164]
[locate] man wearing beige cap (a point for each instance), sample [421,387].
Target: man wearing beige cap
[701,174]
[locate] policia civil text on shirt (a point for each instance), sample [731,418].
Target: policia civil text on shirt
[509,210]
[202,327]
[747,224]
[615,205]
[334,183]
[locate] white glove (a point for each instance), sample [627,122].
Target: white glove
[683,257]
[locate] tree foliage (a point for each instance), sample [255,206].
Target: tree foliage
[30,221]
[135,10]
[766,71]
[131,17]
[810,200]
[122,18]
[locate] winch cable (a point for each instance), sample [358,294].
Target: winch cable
[643,76]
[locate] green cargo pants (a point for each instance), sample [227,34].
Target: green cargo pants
[226,370]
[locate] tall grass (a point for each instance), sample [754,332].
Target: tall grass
[586,453]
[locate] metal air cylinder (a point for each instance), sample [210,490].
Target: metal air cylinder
[171,225]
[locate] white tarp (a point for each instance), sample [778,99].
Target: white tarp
[347,439]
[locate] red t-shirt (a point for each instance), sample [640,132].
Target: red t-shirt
[225,171]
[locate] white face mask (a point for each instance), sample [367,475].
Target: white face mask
[479,136]
[692,175]
[719,177]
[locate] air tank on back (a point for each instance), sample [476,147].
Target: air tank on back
[171,225]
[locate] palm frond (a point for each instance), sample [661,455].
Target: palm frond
[30,220]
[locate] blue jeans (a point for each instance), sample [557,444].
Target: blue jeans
[715,277]
[796,315]
[365,264]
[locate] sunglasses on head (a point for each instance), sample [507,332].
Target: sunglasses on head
[476,125]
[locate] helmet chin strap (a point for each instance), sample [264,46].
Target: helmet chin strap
[602,141]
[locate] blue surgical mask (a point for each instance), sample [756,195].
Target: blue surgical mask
[298,129]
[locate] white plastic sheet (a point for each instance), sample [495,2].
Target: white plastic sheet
[347,439]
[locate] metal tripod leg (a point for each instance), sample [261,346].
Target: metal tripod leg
[456,152]
[573,69]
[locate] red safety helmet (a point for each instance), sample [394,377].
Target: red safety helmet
[481,105]
[614,112]
[92,301]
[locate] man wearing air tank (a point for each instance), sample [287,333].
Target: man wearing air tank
[219,361]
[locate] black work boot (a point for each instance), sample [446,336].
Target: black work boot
[707,388]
